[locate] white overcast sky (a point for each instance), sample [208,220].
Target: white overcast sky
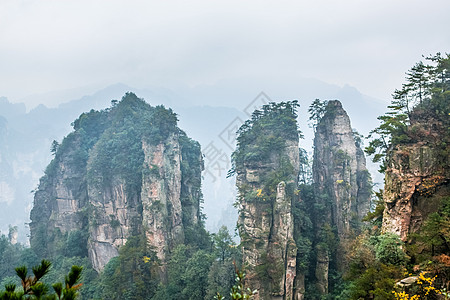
[48,45]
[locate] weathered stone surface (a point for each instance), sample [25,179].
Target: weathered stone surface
[266,230]
[159,197]
[12,235]
[407,281]
[299,287]
[342,186]
[416,178]
[59,199]
[111,225]
[417,175]
[321,272]
[282,245]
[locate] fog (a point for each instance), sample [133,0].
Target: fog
[207,59]
[83,46]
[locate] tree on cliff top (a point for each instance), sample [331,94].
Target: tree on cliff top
[426,93]
[316,111]
[267,130]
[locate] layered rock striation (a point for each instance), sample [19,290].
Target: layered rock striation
[124,171]
[417,175]
[266,163]
[294,236]
[342,188]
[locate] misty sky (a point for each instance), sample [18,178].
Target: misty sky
[48,45]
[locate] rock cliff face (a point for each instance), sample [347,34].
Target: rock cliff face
[279,242]
[417,176]
[267,166]
[342,187]
[124,171]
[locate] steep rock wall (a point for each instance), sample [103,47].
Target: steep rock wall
[161,190]
[123,172]
[417,176]
[266,230]
[59,200]
[267,166]
[342,188]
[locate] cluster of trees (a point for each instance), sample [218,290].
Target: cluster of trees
[193,271]
[117,133]
[205,266]
[419,113]
[264,133]
[118,150]
[379,261]
[424,96]
[15,283]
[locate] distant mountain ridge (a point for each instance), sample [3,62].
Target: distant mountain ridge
[205,112]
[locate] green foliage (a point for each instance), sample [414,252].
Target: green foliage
[375,216]
[388,249]
[375,264]
[199,273]
[222,271]
[76,243]
[196,275]
[340,157]
[34,288]
[239,291]
[118,153]
[224,246]
[114,222]
[265,133]
[58,273]
[134,274]
[316,111]
[13,255]
[427,90]
[184,262]
[434,236]
[392,131]
[220,278]
[197,236]
[376,282]
[303,230]
[118,149]
[54,147]
[305,167]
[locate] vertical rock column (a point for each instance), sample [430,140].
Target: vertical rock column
[266,227]
[162,211]
[342,189]
[282,245]
[111,224]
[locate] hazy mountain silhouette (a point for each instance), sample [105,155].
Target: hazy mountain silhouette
[208,113]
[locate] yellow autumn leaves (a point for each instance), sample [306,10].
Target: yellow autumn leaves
[426,288]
